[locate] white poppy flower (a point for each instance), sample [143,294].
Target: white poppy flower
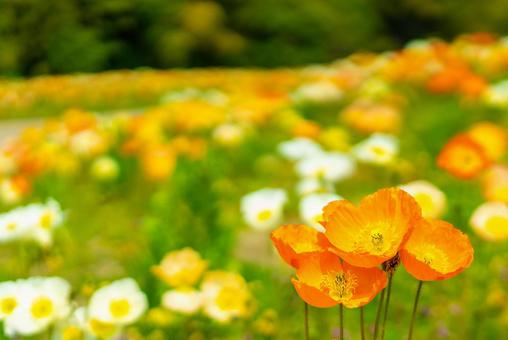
[9,298]
[429,197]
[183,300]
[42,301]
[490,221]
[44,218]
[14,226]
[312,185]
[379,148]
[299,148]
[119,303]
[262,209]
[330,166]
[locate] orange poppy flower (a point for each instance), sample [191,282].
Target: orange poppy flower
[369,117]
[446,80]
[294,241]
[324,281]
[436,250]
[372,233]
[463,157]
[472,86]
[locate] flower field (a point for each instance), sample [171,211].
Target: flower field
[362,199]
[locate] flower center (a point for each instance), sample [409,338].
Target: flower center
[119,308]
[377,240]
[72,333]
[425,202]
[42,308]
[229,299]
[340,286]
[7,305]
[46,220]
[264,215]
[497,225]
[378,151]
[433,257]
[100,328]
[320,172]
[318,218]
[11,226]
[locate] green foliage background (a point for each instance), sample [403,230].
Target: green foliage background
[62,36]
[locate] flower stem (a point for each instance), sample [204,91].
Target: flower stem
[385,314]
[378,313]
[362,322]
[306,320]
[415,307]
[341,322]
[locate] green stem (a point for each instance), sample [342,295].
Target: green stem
[341,322]
[385,314]
[415,307]
[378,313]
[306,318]
[362,323]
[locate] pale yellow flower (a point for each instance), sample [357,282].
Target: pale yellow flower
[181,267]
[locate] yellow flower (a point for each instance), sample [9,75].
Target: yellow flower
[225,296]
[181,268]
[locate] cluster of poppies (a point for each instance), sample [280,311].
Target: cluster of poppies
[361,247]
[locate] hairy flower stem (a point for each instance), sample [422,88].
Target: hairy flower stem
[385,314]
[378,313]
[341,321]
[415,307]
[306,320]
[362,323]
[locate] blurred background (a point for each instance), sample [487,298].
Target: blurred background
[64,36]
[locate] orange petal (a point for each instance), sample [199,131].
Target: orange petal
[313,296]
[296,240]
[370,282]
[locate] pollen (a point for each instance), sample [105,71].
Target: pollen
[119,308]
[376,238]
[341,286]
[42,308]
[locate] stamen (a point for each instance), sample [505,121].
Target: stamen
[340,286]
